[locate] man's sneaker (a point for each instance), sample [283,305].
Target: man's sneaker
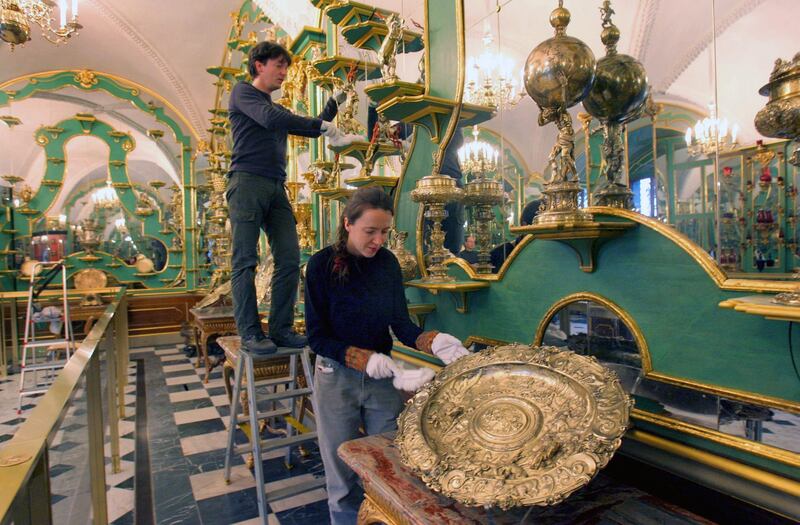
[259,345]
[290,339]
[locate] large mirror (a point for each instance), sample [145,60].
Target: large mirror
[594,328]
[95,180]
[694,157]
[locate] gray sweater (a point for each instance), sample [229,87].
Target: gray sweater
[260,128]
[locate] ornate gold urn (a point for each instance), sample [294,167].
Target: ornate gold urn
[559,73]
[780,118]
[514,425]
[435,191]
[483,193]
[408,263]
[617,96]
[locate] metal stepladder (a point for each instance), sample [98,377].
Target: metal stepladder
[31,362]
[257,446]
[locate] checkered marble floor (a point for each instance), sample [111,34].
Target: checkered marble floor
[188,450]
[68,453]
[186,436]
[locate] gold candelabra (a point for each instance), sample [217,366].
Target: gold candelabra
[435,191]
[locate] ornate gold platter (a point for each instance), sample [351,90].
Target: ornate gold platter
[514,425]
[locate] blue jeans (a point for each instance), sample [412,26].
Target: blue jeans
[259,203]
[346,399]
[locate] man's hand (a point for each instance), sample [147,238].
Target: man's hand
[335,136]
[340,97]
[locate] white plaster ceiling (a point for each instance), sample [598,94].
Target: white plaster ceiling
[167,46]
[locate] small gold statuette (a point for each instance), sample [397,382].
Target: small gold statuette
[618,95]
[559,73]
[514,426]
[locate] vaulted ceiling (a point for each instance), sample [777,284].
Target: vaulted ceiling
[167,46]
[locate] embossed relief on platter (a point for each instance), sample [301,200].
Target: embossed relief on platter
[514,425]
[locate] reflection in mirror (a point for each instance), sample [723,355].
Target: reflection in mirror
[82,211]
[590,328]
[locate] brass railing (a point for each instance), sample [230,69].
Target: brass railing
[25,497]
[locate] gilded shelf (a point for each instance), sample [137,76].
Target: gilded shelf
[89,258]
[149,274]
[420,311]
[373,180]
[52,183]
[371,33]
[382,93]
[336,194]
[227,73]
[762,305]
[583,237]
[28,211]
[433,112]
[338,66]
[175,250]
[358,150]
[307,39]
[9,231]
[349,13]
[8,252]
[460,289]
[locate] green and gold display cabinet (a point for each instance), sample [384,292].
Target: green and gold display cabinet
[178,270]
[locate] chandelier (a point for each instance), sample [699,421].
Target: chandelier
[490,78]
[711,134]
[477,157]
[16,17]
[105,198]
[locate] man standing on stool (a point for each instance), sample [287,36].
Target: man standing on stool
[257,198]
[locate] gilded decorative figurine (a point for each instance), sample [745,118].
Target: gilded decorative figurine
[347,118]
[780,118]
[559,73]
[408,263]
[514,426]
[388,50]
[143,205]
[618,96]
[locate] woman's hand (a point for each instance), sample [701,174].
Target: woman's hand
[448,348]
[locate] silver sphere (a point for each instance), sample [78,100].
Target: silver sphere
[620,88]
[559,72]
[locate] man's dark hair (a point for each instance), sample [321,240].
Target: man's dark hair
[529,212]
[264,51]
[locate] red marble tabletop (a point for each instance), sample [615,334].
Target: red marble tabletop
[377,463]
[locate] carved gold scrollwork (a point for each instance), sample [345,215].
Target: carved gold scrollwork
[86,78]
[514,425]
[370,514]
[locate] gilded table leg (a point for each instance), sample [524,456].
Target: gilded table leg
[370,513]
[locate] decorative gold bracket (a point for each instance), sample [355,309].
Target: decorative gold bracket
[459,289]
[584,238]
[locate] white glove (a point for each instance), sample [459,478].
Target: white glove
[412,380]
[328,130]
[447,348]
[335,136]
[380,366]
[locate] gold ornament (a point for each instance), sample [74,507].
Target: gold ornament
[514,425]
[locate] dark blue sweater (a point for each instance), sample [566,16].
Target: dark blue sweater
[260,127]
[359,311]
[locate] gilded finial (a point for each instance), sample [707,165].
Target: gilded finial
[559,18]
[610,34]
